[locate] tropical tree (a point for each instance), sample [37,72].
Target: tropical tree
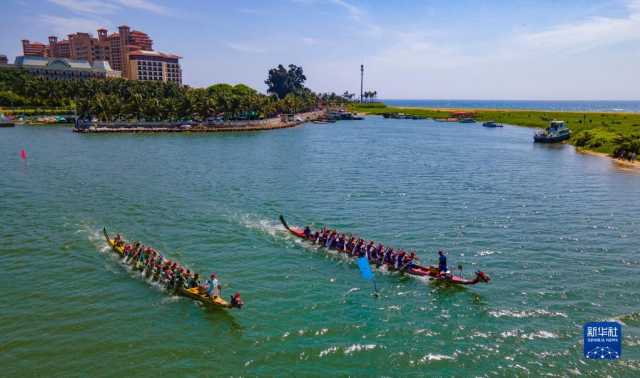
[282,81]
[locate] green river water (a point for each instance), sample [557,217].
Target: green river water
[557,231]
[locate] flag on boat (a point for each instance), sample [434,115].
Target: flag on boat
[365,268]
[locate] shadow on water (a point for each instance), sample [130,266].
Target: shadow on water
[217,316]
[443,291]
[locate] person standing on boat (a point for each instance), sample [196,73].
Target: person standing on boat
[213,286]
[442,263]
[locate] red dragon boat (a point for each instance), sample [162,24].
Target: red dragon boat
[432,272]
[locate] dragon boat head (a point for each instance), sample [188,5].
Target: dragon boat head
[482,276]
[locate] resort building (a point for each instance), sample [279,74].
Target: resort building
[63,68]
[33,48]
[153,65]
[115,48]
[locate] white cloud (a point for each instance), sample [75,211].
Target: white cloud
[109,7]
[67,25]
[245,48]
[87,6]
[145,5]
[355,12]
[592,33]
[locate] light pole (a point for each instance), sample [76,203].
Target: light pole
[361,80]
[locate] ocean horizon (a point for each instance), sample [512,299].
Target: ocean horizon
[631,106]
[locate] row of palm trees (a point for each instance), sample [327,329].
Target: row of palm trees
[369,96]
[126,100]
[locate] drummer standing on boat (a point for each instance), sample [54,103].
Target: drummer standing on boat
[442,263]
[213,286]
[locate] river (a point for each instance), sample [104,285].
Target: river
[557,231]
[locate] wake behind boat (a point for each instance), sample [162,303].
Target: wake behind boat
[173,277]
[378,256]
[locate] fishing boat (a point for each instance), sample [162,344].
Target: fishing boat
[6,121]
[198,293]
[431,272]
[491,124]
[556,132]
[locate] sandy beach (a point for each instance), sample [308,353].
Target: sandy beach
[622,164]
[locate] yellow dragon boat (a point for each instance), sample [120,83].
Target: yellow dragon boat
[197,293]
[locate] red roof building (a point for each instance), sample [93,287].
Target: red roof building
[115,48]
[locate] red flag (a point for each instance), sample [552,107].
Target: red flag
[23,154]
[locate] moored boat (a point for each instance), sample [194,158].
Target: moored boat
[491,124]
[6,121]
[431,272]
[556,132]
[197,293]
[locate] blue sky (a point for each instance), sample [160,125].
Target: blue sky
[411,49]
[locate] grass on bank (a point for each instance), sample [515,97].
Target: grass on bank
[600,132]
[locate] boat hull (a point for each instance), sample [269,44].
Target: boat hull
[548,139]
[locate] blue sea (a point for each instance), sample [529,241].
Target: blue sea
[564,105]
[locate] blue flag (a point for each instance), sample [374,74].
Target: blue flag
[365,268]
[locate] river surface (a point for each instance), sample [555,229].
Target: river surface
[557,231]
[548,105]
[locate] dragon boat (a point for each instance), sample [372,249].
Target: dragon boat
[432,272]
[197,293]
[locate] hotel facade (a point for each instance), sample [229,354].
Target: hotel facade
[128,51]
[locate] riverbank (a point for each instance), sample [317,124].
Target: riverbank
[623,164]
[601,132]
[228,126]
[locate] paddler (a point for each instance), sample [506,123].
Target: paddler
[340,243]
[442,263]
[236,301]
[194,281]
[307,232]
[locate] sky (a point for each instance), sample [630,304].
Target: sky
[455,49]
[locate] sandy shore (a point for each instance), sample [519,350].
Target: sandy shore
[623,164]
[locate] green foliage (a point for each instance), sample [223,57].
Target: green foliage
[282,81]
[372,105]
[125,100]
[626,146]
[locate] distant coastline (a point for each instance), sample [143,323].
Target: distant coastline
[604,133]
[609,106]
